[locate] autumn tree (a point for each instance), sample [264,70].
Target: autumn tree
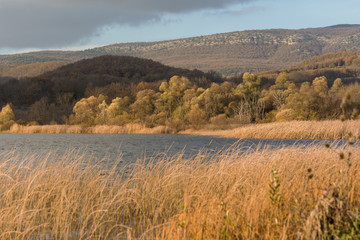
[90,110]
[197,117]
[249,95]
[320,86]
[6,115]
[101,115]
[144,106]
[171,96]
[336,87]
[311,101]
[215,100]
[281,90]
[117,112]
[118,106]
[303,102]
[350,98]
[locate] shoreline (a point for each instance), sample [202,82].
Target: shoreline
[327,129]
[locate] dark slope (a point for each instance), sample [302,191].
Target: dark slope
[114,76]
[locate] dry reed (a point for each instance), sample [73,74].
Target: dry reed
[221,196]
[100,129]
[329,129]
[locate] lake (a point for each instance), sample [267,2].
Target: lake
[134,146]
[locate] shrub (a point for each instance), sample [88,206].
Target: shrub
[285,115]
[197,117]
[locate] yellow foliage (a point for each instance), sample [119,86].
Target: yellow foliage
[197,117]
[6,114]
[285,115]
[87,110]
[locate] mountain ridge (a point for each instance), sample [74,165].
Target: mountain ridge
[228,53]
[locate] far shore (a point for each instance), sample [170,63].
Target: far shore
[328,129]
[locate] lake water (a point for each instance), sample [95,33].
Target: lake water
[133,146]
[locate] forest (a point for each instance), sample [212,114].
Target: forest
[112,90]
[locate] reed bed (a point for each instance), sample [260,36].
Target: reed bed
[100,129]
[263,194]
[16,128]
[329,129]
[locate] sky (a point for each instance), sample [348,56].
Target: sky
[29,25]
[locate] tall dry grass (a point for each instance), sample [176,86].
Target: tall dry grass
[221,196]
[16,128]
[100,129]
[329,129]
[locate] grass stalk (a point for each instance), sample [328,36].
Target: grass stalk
[225,196]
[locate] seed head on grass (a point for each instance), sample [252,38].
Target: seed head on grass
[274,191]
[310,174]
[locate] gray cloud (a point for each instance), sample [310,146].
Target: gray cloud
[51,23]
[244,11]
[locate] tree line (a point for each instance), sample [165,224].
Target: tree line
[51,96]
[121,90]
[179,103]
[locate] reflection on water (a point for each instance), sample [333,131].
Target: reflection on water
[133,146]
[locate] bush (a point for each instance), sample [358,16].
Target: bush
[6,126]
[176,125]
[286,115]
[7,115]
[197,117]
[220,121]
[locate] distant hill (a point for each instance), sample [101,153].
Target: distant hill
[114,76]
[28,70]
[227,53]
[343,64]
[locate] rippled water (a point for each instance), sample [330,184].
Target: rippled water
[133,146]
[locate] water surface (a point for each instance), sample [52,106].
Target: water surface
[133,146]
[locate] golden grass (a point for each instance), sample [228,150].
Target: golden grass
[100,129]
[225,196]
[329,129]
[16,128]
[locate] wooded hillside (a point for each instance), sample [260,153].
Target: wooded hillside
[343,64]
[108,75]
[120,90]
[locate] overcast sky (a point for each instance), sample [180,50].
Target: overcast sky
[27,25]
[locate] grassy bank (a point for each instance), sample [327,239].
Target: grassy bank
[100,129]
[270,194]
[330,129]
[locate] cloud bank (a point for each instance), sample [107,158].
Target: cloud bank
[58,23]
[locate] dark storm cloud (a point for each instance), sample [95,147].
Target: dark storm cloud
[47,23]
